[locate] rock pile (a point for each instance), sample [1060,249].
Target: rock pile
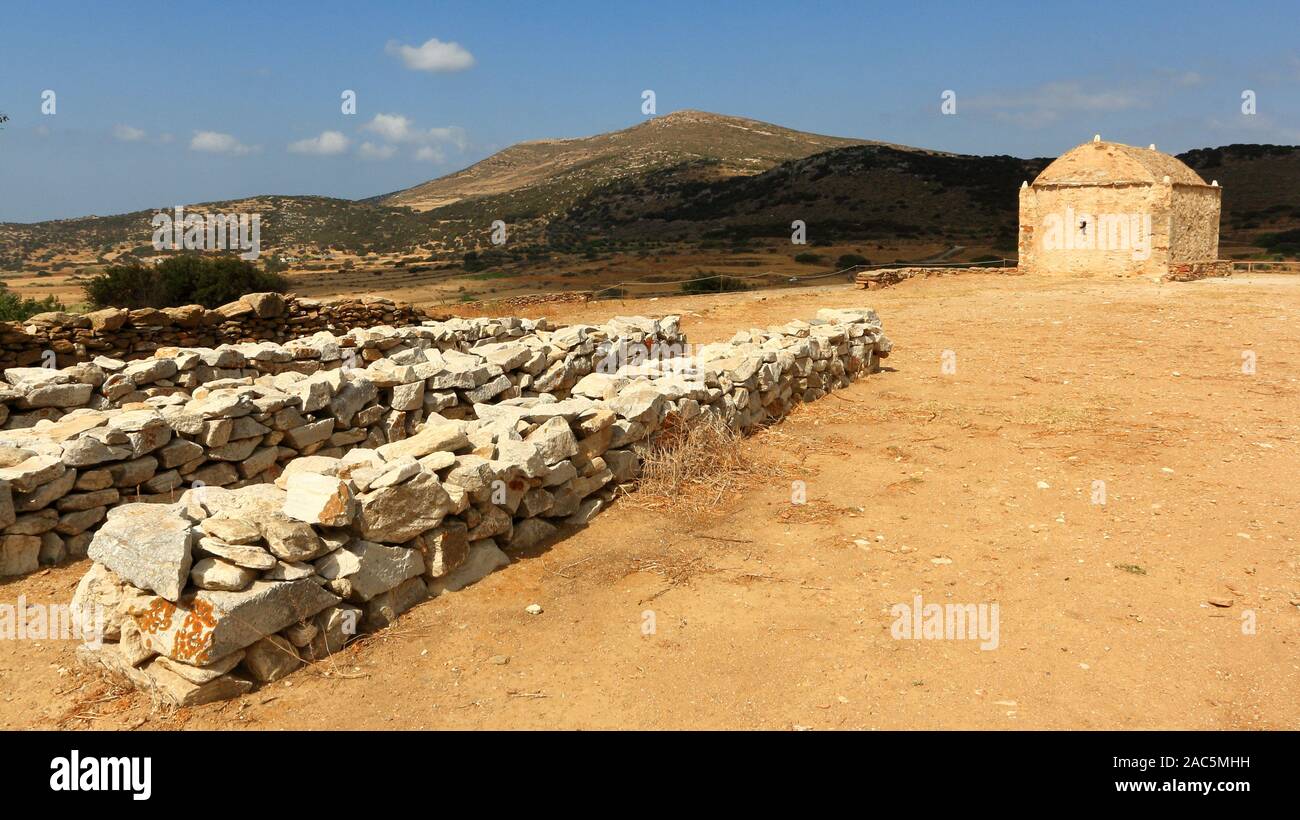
[130,334]
[234,586]
[96,435]
[887,277]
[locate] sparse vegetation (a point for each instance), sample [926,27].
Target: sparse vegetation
[714,284]
[14,308]
[691,467]
[189,279]
[1281,243]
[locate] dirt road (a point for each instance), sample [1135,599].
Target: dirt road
[966,473]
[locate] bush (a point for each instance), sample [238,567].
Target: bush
[14,308]
[848,260]
[808,258]
[210,281]
[714,284]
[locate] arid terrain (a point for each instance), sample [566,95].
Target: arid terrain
[686,195]
[975,486]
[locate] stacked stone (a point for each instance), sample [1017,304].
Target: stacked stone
[886,277]
[35,394]
[130,334]
[754,378]
[228,588]
[234,416]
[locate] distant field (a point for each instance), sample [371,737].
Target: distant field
[661,271]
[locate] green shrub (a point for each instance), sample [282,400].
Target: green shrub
[190,279]
[808,258]
[714,284]
[848,260]
[14,308]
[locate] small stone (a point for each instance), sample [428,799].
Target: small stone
[533,609]
[484,558]
[319,499]
[292,540]
[231,530]
[214,573]
[271,658]
[249,556]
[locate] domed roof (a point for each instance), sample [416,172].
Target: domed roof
[1107,163]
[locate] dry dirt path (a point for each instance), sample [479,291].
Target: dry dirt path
[975,486]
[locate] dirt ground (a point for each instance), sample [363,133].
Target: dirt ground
[972,486]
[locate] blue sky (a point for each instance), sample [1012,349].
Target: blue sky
[185,102]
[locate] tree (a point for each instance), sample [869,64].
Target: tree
[187,279]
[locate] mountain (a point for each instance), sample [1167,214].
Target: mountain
[534,179]
[858,192]
[686,177]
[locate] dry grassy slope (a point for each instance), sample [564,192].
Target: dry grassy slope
[287,222]
[858,192]
[556,171]
[1261,186]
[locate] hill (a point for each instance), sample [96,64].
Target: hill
[857,192]
[686,177]
[534,179]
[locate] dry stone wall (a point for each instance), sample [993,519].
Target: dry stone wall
[232,587]
[1192,271]
[131,334]
[85,439]
[887,277]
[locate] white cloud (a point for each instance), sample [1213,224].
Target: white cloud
[212,142]
[126,133]
[369,150]
[392,127]
[1050,102]
[396,128]
[430,154]
[1255,128]
[452,135]
[434,55]
[327,144]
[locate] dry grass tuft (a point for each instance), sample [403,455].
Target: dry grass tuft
[817,512]
[692,466]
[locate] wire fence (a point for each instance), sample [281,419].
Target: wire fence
[1265,267]
[728,281]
